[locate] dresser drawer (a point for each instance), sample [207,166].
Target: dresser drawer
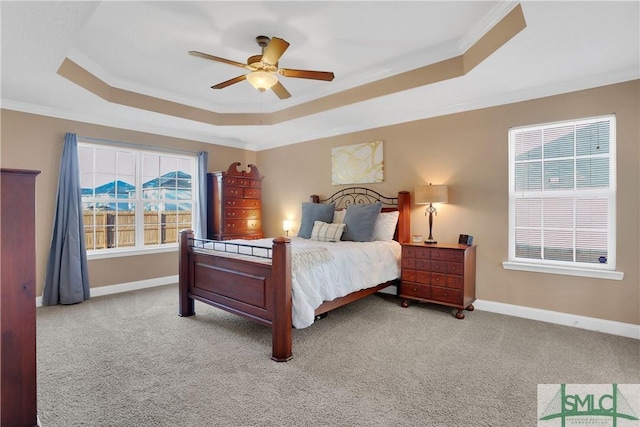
[233,213]
[252,193]
[415,290]
[242,203]
[452,296]
[237,225]
[240,192]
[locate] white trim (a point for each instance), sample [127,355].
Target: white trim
[390,290]
[126,287]
[566,271]
[582,322]
[98,254]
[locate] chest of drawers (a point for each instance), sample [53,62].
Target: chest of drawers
[235,204]
[439,273]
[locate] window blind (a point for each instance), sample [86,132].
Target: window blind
[562,193]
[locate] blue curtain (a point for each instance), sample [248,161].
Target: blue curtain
[200,222]
[67,279]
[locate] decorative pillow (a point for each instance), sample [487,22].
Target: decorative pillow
[338,216]
[385,226]
[323,232]
[360,221]
[312,212]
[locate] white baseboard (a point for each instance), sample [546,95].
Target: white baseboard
[591,323]
[125,287]
[391,290]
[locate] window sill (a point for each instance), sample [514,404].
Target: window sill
[567,271]
[131,252]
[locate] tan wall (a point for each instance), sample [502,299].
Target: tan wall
[468,151]
[35,142]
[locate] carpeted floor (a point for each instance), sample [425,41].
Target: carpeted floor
[130,360]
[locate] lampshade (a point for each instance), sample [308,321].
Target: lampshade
[286,225]
[431,194]
[262,80]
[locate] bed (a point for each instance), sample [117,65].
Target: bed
[260,280]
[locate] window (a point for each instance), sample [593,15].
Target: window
[134,199]
[562,197]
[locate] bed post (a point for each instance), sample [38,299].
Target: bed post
[404,206]
[281,322]
[186,307]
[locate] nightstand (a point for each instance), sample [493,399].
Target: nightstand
[439,273]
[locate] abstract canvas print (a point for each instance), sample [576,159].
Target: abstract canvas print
[357,164]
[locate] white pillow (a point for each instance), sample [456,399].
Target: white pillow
[338,216]
[323,232]
[385,226]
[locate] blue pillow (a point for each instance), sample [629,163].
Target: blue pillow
[312,212]
[360,221]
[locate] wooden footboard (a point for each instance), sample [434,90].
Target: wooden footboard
[260,291]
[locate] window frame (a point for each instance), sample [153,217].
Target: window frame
[139,201]
[572,268]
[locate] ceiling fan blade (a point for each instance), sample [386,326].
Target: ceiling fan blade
[229,82]
[279,90]
[307,74]
[216,58]
[274,50]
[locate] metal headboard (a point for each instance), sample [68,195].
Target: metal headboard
[356,196]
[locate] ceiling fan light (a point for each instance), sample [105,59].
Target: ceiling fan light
[262,80]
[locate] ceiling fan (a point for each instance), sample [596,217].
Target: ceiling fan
[264,68]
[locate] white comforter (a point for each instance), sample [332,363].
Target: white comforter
[323,271]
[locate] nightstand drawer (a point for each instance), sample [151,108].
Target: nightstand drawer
[415,290]
[439,266]
[438,279]
[423,253]
[408,262]
[408,252]
[454,268]
[455,282]
[452,296]
[408,275]
[423,264]
[423,277]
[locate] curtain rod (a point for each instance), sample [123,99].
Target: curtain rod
[132,145]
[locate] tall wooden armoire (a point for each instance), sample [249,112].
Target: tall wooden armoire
[17,299]
[234,207]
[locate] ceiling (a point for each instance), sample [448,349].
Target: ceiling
[126,64]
